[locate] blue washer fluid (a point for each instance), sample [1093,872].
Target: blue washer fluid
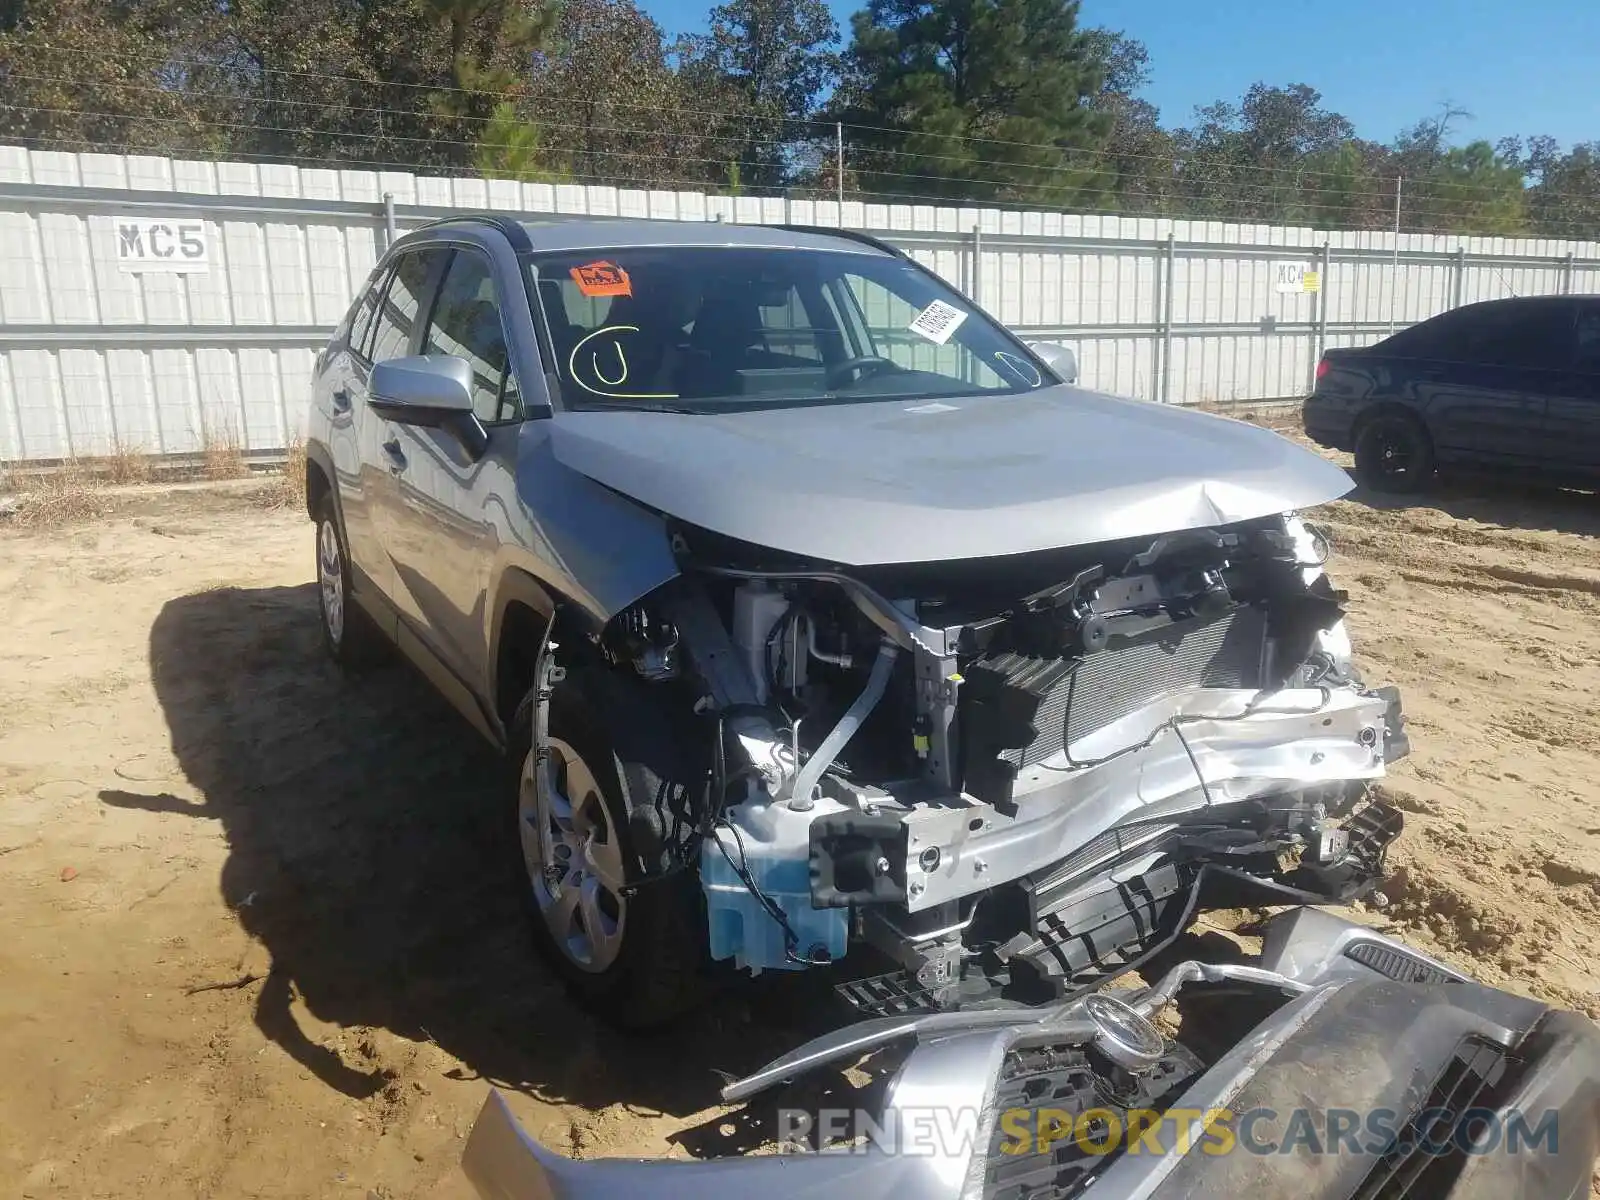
[743,930]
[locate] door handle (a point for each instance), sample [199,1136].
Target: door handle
[341,401]
[397,457]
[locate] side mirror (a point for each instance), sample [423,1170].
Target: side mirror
[433,392]
[1060,359]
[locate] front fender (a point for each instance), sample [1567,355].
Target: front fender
[579,540]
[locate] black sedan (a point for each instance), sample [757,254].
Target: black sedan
[1506,385]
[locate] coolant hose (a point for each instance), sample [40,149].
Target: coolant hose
[801,799]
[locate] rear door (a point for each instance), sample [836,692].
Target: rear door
[1486,377]
[348,424]
[1574,414]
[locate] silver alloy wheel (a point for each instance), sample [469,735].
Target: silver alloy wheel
[330,577]
[573,858]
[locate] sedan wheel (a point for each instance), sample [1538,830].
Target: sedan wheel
[1393,454]
[573,856]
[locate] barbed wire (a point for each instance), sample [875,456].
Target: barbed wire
[1347,197]
[191,120]
[821,126]
[522,93]
[1245,211]
[1279,193]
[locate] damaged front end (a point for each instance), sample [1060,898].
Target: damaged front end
[1337,1064]
[1009,777]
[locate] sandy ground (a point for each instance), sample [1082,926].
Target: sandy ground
[257,938]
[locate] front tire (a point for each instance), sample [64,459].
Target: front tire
[635,956]
[1394,454]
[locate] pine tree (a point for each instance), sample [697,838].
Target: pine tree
[772,60]
[511,147]
[984,100]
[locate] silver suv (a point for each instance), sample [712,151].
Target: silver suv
[821,618]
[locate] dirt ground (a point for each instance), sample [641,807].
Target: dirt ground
[257,937]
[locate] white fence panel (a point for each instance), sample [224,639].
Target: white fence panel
[96,359]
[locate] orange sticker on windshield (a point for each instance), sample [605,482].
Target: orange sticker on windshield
[602,279]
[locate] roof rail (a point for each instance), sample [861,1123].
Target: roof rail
[511,229]
[853,235]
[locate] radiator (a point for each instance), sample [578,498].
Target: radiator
[1224,652]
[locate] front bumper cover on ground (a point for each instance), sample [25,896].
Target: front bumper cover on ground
[1371,1025]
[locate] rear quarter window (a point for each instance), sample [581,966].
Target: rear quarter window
[359,320]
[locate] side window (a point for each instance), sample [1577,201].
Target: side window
[1588,347]
[397,317]
[360,318]
[1516,335]
[787,327]
[466,323]
[1436,337]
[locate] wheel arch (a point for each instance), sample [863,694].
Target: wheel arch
[319,478]
[527,615]
[1389,408]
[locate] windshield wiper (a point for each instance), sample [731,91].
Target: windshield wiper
[651,407]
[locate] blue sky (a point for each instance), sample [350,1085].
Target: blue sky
[1520,68]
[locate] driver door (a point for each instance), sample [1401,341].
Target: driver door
[446,518]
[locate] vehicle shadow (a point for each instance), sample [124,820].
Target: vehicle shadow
[1496,500]
[367,827]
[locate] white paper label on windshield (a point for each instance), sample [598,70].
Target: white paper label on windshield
[937,322]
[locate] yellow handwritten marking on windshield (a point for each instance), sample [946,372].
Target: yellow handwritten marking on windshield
[622,361]
[594,365]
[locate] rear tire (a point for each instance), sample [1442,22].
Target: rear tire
[352,639]
[1394,454]
[636,958]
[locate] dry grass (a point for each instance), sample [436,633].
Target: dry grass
[288,490]
[67,495]
[222,452]
[127,463]
[1277,417]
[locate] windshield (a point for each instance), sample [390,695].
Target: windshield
[715,329]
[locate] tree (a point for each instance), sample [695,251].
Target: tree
[1470,189]
[259,70]
[489,48]
[1138,153]
[1344,187]
[85,75]
[511,147]
[1257,160]
[1124,62]
[1459,189]
[772,60]
[982,100]
[1564,198]
[411,82]
[613,109]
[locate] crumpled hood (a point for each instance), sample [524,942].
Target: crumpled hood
[906,481]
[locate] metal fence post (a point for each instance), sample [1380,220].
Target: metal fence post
[1321,334]
[1166,321]
[1459,285]
[976,293]
[1569,276]
[388,220]
[1157,309]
